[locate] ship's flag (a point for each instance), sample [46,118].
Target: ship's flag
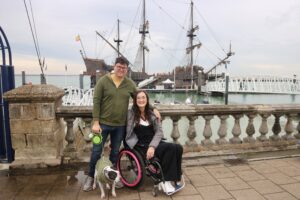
[77,38]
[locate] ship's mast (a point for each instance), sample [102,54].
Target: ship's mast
[118,40]
[190,49]
[143,31]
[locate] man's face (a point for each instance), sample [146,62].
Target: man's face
[120,70]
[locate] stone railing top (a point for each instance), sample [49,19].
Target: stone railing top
[27,93]
[228,109]
[189,110]
[74,111]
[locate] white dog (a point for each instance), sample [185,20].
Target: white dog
[106,175]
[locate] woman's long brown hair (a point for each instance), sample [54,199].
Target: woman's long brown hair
[136,110]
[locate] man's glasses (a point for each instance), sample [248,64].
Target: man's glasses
[122,68]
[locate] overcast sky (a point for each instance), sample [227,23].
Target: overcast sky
[265,34]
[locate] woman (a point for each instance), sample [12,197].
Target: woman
[144,131]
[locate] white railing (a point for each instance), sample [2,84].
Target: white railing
[257,84]
[72,96]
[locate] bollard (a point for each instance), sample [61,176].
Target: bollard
[43,79]
[23,78]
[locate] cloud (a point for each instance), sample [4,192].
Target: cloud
[264,34]
[29,64]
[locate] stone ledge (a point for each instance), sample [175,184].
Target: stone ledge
[46,166]
[34,93]
[37,163]
[25,167]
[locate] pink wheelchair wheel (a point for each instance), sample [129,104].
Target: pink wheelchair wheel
[131,168]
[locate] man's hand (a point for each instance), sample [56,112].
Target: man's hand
[96,127]
[157,114]
[150,153]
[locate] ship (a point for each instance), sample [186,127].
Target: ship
[190,77]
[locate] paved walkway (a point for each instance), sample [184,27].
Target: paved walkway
[275,179]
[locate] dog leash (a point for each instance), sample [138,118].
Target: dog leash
[97,139]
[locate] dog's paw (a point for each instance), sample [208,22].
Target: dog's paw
[114,194]
[102,196]
[94,186]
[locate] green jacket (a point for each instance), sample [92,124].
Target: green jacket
[100,165]
[111,103]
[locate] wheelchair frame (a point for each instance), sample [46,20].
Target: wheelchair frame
[136,167]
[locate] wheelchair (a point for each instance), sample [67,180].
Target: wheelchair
[134,167]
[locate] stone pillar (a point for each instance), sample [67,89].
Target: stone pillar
[191,134]
[236,130]
[222,132]
[36,133]
[263,129]
[250,130]
[276,128]
[289,128]
[298,129]
[207,132]
[175,132]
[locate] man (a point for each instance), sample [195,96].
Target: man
[111,99]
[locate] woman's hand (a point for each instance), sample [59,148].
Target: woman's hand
[96,127]
[150,153]
[157,114]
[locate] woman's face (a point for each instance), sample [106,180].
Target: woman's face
[141,100]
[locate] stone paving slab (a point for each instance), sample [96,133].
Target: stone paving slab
[275,179]
[221,172]
[293,189]
[234,183]
[265,186]
[215,192]
[249,175]
[203,180]
[280,196]
[247,194]
[280,178]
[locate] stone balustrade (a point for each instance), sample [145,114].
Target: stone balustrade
[283,132]
[41,128]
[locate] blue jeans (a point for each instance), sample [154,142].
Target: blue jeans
[116,137]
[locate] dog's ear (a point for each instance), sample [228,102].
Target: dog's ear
[112,175]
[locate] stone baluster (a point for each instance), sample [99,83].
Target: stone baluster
[236,130]
[191,134]
[289,128]
[250,130]
[87,130]
[70,150]
[276,128]
[175,132]
[207,133]
[222,132]
[263,129]
[298,129]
